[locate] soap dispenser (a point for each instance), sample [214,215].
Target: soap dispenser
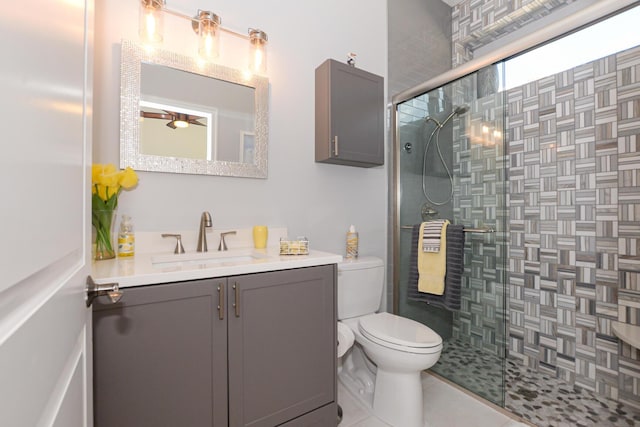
[126,238]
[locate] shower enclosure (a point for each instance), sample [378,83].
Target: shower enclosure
[450,165]
[528,149]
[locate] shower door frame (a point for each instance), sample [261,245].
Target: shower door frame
[598,11]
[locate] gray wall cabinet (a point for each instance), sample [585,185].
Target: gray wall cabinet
[254,350]
[349,109]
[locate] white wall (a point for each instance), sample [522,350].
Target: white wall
[312,199]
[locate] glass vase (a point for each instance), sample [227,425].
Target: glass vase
[102,221]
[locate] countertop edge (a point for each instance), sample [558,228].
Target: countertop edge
[135,272]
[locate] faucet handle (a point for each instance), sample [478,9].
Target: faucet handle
[223,245]
[179,248]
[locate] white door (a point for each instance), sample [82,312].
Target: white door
[45,143]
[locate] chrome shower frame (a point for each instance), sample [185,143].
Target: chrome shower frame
[589,15]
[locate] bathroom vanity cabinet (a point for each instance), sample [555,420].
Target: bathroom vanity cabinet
[349,110]
[248,350]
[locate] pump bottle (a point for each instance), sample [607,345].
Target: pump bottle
[126,238]
[352,243]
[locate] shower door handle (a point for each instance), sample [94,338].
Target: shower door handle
[335,145]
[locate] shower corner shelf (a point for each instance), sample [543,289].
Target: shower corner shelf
[627,333]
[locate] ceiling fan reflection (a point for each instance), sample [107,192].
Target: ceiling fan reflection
[176,120]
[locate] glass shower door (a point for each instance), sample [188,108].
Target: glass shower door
[451,165]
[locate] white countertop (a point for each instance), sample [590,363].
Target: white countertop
[145,269]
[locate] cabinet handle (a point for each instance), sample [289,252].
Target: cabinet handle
[221,302]
[335,145]
[236,303]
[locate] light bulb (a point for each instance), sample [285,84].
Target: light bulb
[257,51]
[151,21]
[206,24]
[150,24]
[258,57]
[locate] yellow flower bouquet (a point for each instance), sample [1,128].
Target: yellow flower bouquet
[106,185]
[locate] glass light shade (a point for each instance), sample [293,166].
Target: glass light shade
[257,51]
[208,34]
[151,23]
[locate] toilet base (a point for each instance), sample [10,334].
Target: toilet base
[398,399]
[357,376]
[393,398]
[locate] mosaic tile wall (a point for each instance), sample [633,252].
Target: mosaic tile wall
[477,22]
[574,174]
[480,202]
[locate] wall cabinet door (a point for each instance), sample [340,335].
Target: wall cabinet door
[349,115]
[160,357]
[282,345]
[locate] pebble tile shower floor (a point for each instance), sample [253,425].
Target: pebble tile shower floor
[538,398]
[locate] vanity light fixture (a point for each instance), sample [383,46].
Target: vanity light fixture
[151,21]
[207,25]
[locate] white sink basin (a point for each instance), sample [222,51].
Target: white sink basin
[206,258]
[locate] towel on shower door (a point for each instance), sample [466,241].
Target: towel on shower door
[451,299]
[432,266]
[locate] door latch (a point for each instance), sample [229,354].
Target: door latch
[112,290]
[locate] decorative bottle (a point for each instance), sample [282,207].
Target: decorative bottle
[126,238]
[352,243]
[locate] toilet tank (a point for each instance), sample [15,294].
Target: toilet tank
[360,286]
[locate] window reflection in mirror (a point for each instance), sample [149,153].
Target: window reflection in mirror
[174,93]
[169,130]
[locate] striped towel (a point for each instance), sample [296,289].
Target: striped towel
[432,266]
[431,236]
[451,299]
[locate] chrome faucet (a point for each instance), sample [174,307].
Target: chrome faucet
[205,222]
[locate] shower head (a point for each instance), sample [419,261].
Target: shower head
[461,109]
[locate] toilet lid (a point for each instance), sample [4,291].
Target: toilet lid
[395,331]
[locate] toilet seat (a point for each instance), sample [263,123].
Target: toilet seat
[400,333]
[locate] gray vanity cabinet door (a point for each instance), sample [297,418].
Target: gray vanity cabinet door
[160,357]
[349,115]
[282,345]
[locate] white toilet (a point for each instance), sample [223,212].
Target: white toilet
[383,367]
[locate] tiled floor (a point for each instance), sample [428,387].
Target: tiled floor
[539,398]
[547,401]
[473,368]
[445,406]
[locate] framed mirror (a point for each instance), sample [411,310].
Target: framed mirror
[179,115]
